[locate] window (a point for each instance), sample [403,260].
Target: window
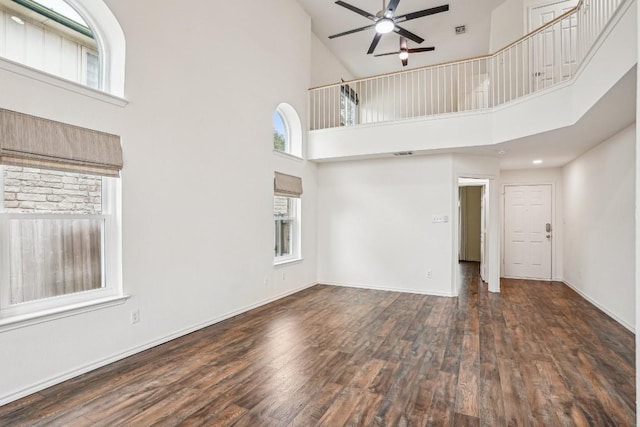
[287,131]
[286,216]
[59,234]
[90,68]
[281,141]
[51,36]
[348,106]
[56,230]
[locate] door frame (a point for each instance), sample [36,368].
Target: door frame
[493,241]
[554,223]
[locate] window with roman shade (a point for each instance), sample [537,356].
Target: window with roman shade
[58,223]
[287,190]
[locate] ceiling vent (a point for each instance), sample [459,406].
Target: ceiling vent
[403,153]
[461,29]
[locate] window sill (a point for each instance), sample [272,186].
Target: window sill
[53,80]
[288,155]
[285,262]
[21,321]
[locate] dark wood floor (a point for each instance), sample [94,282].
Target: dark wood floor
[536,354]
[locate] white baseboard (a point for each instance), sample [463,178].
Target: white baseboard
[387,289]
[600,307]
[130,352]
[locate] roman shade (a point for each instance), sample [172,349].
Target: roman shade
[287,185]
[40,143]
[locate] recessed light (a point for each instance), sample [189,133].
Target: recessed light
[537,162]
[17,20]
[502,152]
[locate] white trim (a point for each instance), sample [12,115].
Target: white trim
[388,289]
[285,262]
[609,313]
[59,82]
[4,399]
[16,322]
[288,155]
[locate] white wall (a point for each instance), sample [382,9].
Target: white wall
[325,67]
[599,225]
[375,225]
[197,181]
[551,176]
[507,24]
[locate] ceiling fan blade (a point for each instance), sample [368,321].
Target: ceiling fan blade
[391,8]
[421,13]
[422,49]
[405,62]
[386,54]
[407,34]
[356,10]
[374,43]
[352,31]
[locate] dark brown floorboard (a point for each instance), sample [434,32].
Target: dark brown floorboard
[536,354]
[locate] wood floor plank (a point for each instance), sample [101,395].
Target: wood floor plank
[536,354]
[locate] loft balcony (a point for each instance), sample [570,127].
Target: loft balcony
[547,80]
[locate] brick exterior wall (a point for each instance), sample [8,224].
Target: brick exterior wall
[42,191]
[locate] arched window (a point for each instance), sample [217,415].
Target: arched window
[287,130]
[77,40]
[281,139]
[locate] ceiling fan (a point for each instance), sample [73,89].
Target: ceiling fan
[404,52]
[385,22]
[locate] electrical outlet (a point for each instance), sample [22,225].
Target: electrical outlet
[135,316]
[429,274]
[283,276]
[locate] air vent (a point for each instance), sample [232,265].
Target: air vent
[403,153]
[461,29]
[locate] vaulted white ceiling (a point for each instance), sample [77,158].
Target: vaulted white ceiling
[328,18]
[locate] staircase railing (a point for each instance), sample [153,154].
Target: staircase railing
[542,58]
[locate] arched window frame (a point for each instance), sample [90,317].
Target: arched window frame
[110,43]
[293,127]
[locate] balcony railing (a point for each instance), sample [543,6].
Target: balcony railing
[545,57]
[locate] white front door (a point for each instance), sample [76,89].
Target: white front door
[554,49]
[527,231]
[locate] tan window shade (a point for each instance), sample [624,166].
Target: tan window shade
[287,185]
[40,143]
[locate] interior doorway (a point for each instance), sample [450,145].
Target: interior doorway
[472,222]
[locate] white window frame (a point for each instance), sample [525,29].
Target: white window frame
[293,128]
[111,263]
[287,133]
[295,229]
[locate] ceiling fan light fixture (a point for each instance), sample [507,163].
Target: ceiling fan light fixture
[403,55]
[385,26]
